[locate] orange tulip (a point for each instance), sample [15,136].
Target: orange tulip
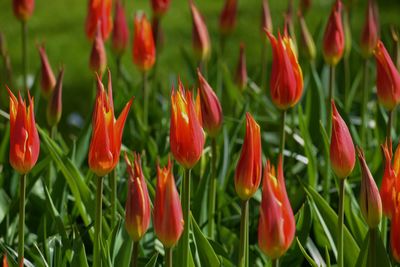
[54,107]
[276,225]
[266,20]
[120,33]
[333,43]
[137,208]
[342,152]
[201,39]
[99,12]
[24,137]
[387,78]
[105,145]
[144,51]
[227,19]
[98,57]
[241,69]
[249,166]
[47,78]
[186,134]
[23,9]
[286,82]
[159,7]
[5,262]
[370,32]
[168,218]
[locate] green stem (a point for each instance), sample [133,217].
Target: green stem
[113,181]
[346,78]
[275,262]
[389,124]
[97,226]
[22,191]
[384,224]
[186,217]
[365,93]
[244,228]
[212,188]
[331,95]
[371,262]
[118,63]
[145,99]
[135,254]
[282,137]
[24,33]
[263,64]
[168,257]
[340,222]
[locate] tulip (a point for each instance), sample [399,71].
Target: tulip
[333,43]
[395,235]
[99,12]
[370,200]
[308,42]
[370,32]
[159,7]
[5,262]
[120,33]
[276,225]
[98,57]
[137,208]
[241,69]
[201,39]
[266,20]
[144,51]
[105,145]
[48,80]
[23,9]
[54,107]
[227,19]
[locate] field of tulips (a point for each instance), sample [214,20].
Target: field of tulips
[199,133]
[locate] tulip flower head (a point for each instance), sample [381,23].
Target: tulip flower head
[387,78]
[159,7]
[342,152]
[201,39]
[144,51]
[24,137]
[105,145]
[99,11]
[370,32]
[47,78]
[137,208]
[249,167]
[276,225]
[308,42]
[266,20]
[98,57]
[120,33]
[241,69]
[23,9]
[186,134]
[227,19]
[333,43]
[167,216]
[54,107]
[286,83]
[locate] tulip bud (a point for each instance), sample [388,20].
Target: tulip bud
[241,69]
[24,137]
[168,219]
[387,78]
[201,39]
[370,200]
[227,19]
[276,225]
[333,44]
[370,32]
[159,7]
[308,42]
[120,33]
[98,57]
[342,153]
[105,145]
[266,20]
[99,11]
[186,135]
[47,81]
[144,51]
[23,9]
[395,235]
[54,107]
[211,111]
[137,208]
[286,82]
[249,166]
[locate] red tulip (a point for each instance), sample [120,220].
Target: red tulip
[168,219]
[144,51]
[211,111]
[201,39]
[5,262]
[98,57]
[387,78]
[370,32]
[54,107]
[47,81]
[266,20]
[227,19]
[120,33]
[23,9]
[186,134]
[241,69]
[105,145]
[333,44]
[99,12]
[395,234]
[276,225]
[137,208]
[286,82]
[249,166]
[159,7]
[24,137]
[342,152]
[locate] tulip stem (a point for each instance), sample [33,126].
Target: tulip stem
[384,224]
[389,124]
[22,189]
[24,35]
[135,254]
[212,188]
[263,64]
[97,225]
[168,257]
[372,247]
[113,181]
[275,262]
[282,138]
[186,217]
[340,222]
[331,95]
[145,99]
[244,234]
[364,119]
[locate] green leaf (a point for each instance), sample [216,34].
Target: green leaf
[153,261]
[308,258]
[79,258]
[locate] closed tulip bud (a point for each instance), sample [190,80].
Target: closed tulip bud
[387,78]
[54,107]
[47,79]
[159,7]
[395,235]
[342,152]
[241,69]
[23,9]
[137,207]
[249,166]
[105,145]
[266,20]
[276,225]
[99,10]
[370,32]
[333,43]
[144,50]
[24,137]
[120,33]
[308,42]
[167,216]
[186,134]
[201,39]
[211,111]
[98,56]
[227,19]
[370,200]
[286,83]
